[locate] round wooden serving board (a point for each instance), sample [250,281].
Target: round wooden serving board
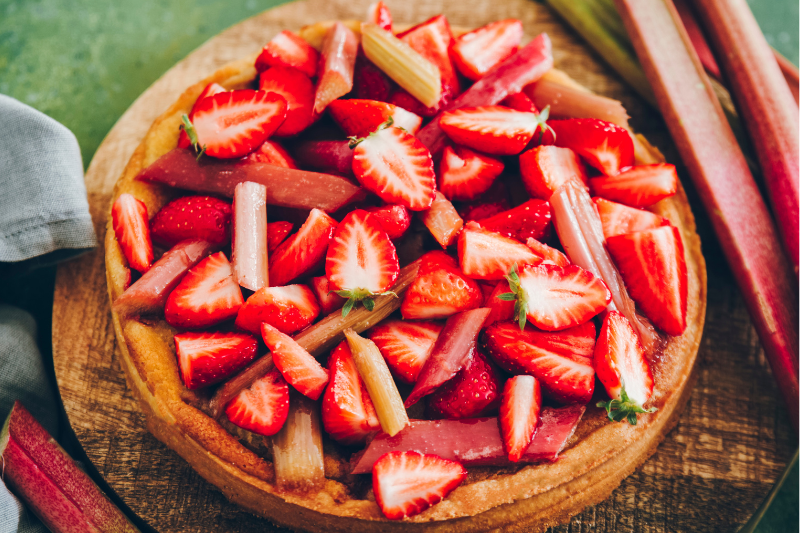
[710,473]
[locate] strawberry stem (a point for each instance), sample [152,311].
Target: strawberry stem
[355,141]
[365,296]
[624,408]
[517,293]
[188,127]
[542,125]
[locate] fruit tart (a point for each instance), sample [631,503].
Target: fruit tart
[377,278]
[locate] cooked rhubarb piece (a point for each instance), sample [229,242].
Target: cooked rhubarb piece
[359,118]
[394,219]
[492,129]
[288,309]
[249,236]
[314,34]
[272,153]
[442,220]
[232,387]
[285,186]
[277,233]
[475,53]
[530,219]
[304,251]
[620,219]
[326,156]
[520,102]
[378,380]
[502,310]
[546,168]
[465,174]
[298,91]
[639,186]
[570,102]
[474,442]
[369,82]
[328,300]
[379,15]
[335,72]
[604,145]
[547,253]
[297,366]
[132,229]
[208,358]
[485,254]
[263,407]
[405,345]
[193,217]
[210,90]
[288,50]
[149,293]
[440,289]
[473,392]
[519,414]
[297,448]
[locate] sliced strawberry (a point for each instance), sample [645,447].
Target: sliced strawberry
[442,220]
[369,82]
[347,411]
[520,102]
[298,91]
[398,168]
[605,146]
[653,266]
[402,98]
[493,201]
[359,118]
[622,369]
[132,230]
[639,186]
[407,483]
[297,366]
[304,251]
[440,289]
[263,407]
[193,217]
[485,254]
[473,392]
[547,253]
[272,153]
[531,219]
[207,295]
[208,358]
[277,233]
[210,90]
[465,175]
[476,52]
[379,14]
[519,414]
[328,300]
[288,50]
[405,345]
[620,219]
[288,309]
[492,129]
[394,219]
[561,361]
[502,310]
[546,168]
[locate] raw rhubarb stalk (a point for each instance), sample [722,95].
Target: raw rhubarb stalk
[297,447]
[791,74]
[326,156]
[335,73]
[442,220]
[724,183]
[474,442]
[568,102]
[379,382]
[41,473]
[285,186]
[249,236]
[231,388]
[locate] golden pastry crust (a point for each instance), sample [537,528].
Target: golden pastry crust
[529,498]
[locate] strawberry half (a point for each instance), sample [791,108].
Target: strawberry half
[272,153]
[546,168]
[379,14]
[210,90]
[263,407]
[132,230]
[519,414]
[328,300]
[639,186]
[620,219]
[359,118]
[277,233]
[394,219]
[440,289]
[297,366]
[405,345]
[653,266]
[547,253]
[288,50]
[193,217]
[369,82]
[407,483]
[488,255]
[298,91]
[604,145]
[304,251]
[528,220]
[476,52]
[208,358]
[473,392]
[502,309]
[520,102]
[465,175]
[493,129]
[288,309]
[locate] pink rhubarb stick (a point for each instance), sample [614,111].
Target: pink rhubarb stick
[249,236]
[336,67]
[326,156]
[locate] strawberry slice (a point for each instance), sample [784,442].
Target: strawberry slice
[132,230]
[493,201]
[298,91]
[475,53]
[193,217]
[379,14]
[297,366]
[328,300]
[639,186]
[361,262]
[288,309]
[405,345]
[519,414]
[288,50]
[440,289]
[473,392]
[263,407]
[561,361]
[622,369]
[547,253]
[502,310]
[272,153]
[394,219]
[604,145]
[546,168]
[359,118]
[277,233]
[493,129]
[485,254]
[520,102]
[336,66]
[528,220]
[407,483]
[210,90]
[208,358]
[369,82]
[465,175]
[442,220]
[620,219]
[304,251]
[347,411]
[398,168]
[653,266]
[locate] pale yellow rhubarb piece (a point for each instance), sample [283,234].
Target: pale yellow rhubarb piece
[314,34]
[297,447]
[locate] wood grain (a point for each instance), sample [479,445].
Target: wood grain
[710,473]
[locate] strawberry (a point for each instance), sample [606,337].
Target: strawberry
[298,91]
[546,168]
[132,230]
[547,253]
[405,345]
[520,102]
[272,153]
[485,254]
[288,50]
[394,219]
[193,217]
[561,361]
[639,186]
[347,411]
[622,369]
[277,233]
[359,118]
[297,366]
[361,262]
[473,392]
[208,358]
[465,175]
[206,296]
[493,129]
[493,201]
[304,251]
[620,219]
[397,167]
[604,145]
[379,14]
[328,300]
[402,98]
[502,310]
[519,414]
[531,219]
[369,82]
[288,309]
[210,90]
[407,483]
[263,407]
[653,267]
[476,52]
[440,289]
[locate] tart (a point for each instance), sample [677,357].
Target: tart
[526,496]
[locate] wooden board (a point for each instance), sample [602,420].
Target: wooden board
[710,473]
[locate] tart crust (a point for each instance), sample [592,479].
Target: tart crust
[530,498]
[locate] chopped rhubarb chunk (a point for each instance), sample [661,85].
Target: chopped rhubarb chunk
[442,220]
[569,102]
[297,448]
[326,156]
[249,243]
[304,251]
[476,52]
[335,72]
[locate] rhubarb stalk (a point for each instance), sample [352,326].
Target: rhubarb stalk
[297,447]
[249,236]
[326,156]
[569,102]
[336,66]
[442,220]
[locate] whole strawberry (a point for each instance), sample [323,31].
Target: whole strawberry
[193,217]
[474,391]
